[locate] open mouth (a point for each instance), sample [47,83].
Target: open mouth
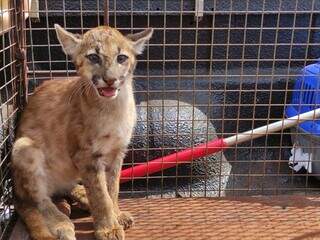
[107,91]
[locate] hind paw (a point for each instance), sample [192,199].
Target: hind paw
[79,195]
[66,232]
[126,220]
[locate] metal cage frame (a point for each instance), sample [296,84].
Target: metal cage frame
[222,67]
[12,70]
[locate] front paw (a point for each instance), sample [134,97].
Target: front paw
[126,220]
[115,233]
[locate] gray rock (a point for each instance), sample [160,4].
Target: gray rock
[163,127]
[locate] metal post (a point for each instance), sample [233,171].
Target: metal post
[106,13]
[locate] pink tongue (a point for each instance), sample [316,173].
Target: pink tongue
[107,92]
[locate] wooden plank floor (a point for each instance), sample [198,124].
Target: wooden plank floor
[281,217]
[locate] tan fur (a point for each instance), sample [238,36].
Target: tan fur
[70,132]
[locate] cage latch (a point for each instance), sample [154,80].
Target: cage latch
[199,10]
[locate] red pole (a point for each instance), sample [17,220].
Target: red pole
[172,160]
[201,150]
[213,146]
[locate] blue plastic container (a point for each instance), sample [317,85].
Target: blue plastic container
[306,97]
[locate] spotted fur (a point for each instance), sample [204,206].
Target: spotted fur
[76,130]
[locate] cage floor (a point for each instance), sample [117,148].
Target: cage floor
[280,217]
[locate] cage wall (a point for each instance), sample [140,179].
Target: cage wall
[199,78]
[11,94]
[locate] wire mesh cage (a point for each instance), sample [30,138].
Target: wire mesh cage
[209,72]
[212,69]
[10,100]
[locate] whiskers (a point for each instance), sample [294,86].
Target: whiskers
[81,88]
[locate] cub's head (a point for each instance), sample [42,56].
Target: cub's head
[104,58]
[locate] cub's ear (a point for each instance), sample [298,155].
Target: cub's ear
[139,39]
[70,42]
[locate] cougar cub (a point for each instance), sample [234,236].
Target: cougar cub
[78,130]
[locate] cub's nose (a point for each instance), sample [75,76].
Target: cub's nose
[110,81]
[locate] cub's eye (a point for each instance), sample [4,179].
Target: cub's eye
[122,58]
[94,58]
